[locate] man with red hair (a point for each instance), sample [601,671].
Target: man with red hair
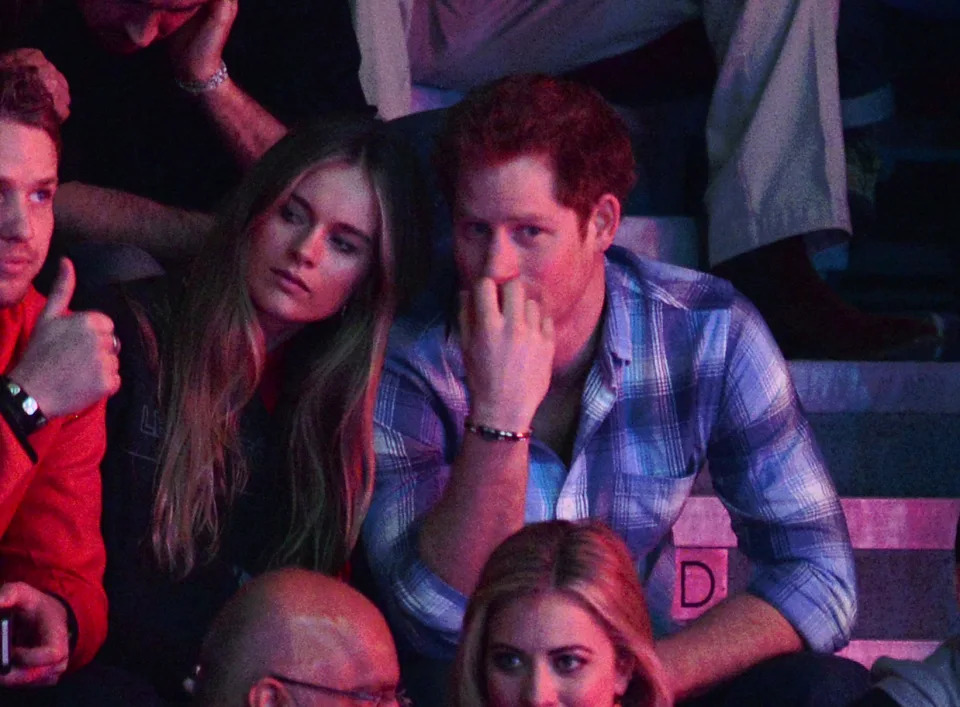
[582,381]
[776,175]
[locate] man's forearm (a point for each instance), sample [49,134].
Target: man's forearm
[246,127]
[481,506]
[508,358]
[97,214]
[733,636]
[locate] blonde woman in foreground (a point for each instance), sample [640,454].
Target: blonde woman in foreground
[559,618]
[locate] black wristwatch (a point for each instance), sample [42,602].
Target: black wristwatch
[21,412]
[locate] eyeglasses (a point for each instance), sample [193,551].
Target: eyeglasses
[388,697]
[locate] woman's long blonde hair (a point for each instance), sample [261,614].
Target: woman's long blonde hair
[216,353]
[586,562]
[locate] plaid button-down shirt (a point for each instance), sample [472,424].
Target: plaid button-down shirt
[686,374]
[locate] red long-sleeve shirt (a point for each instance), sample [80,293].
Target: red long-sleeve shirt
[50,511]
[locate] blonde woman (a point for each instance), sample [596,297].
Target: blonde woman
[242,435]
[559,618]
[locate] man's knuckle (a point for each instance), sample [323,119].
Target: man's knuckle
[81,319]
[99,320]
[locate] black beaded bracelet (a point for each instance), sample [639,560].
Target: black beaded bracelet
[492,434]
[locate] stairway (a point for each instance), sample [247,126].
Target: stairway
[890,433]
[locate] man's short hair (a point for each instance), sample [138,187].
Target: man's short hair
[584,139]
[25,100]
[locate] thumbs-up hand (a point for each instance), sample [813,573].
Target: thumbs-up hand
[71,359]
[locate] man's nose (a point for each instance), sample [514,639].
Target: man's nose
[14,220]
[502,260]
[143,31]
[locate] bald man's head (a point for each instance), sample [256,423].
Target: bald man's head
[292,626]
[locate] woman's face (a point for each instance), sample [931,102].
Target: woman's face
[546,649]
[312,248]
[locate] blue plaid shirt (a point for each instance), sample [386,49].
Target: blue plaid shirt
[686,374]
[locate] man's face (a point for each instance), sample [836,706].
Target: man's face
[28,180]
[127,26]
[508,225]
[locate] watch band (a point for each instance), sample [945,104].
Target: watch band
[23,405]
[21,412]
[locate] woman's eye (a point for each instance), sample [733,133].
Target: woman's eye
[506,661]
[567,663]
[343,245]
[291,214]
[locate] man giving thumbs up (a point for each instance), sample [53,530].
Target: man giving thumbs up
[56,369]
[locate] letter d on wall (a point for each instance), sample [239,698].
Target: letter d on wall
[700,581]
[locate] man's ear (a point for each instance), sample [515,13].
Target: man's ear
[267,692]
[605,220]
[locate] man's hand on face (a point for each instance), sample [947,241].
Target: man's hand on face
[196,49]
[52,79]
[41,640]
[507,353]
[71,359]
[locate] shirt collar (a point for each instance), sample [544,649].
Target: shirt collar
[617,336]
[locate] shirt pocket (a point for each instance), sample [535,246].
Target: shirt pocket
[643,508]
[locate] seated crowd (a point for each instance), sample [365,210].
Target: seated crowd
[195,469]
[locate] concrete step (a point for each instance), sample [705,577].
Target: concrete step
[866,652]
[897,259]
[890,433]
[863,387]
[886,429]
[874,523]
[895,276]
[920,139]
[903,550]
